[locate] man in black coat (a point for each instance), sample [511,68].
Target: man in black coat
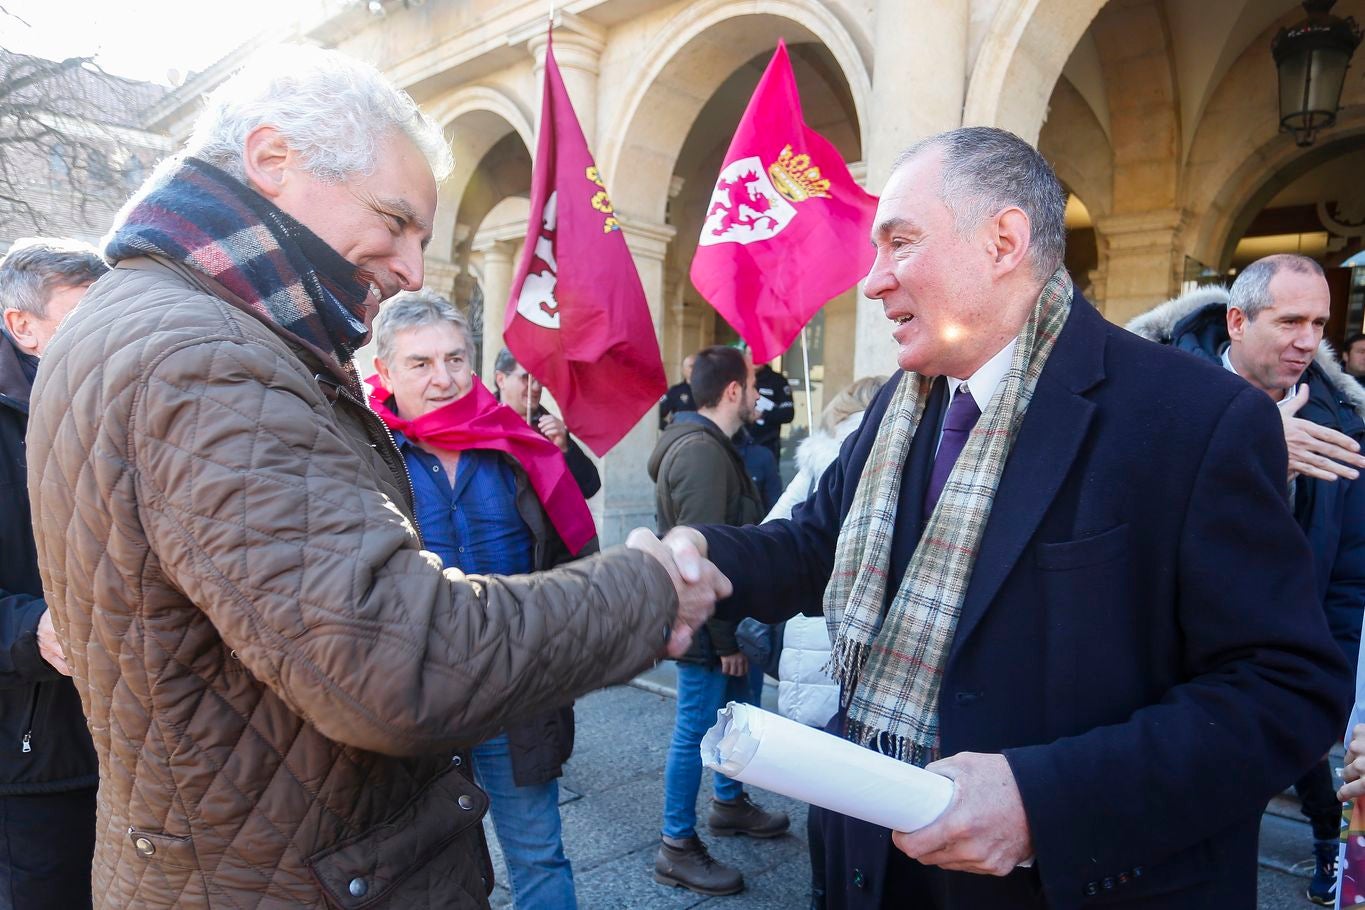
[48,774]
[1137,663]
[1268,329]
[678,398]
[774,411]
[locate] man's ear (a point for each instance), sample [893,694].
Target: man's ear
[382,369]
[19,324]
[1010,236]
[268,160]
[735,392]
[1237,324]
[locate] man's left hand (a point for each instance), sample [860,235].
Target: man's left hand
[984,829]
[50,646]
[553,429]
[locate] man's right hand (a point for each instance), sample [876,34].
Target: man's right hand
[1316,451]
[698,583]
[734,664]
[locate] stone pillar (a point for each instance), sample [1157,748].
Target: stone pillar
[627,499]
[910,53]
[1143,262]
[497,284]
[578,46]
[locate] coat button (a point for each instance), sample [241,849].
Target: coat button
[456,761]
[466,802]
[144,846]
[859,881]
[358,887]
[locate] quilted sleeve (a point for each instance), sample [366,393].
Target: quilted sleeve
[270,524]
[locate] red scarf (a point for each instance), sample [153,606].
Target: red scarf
[477,421]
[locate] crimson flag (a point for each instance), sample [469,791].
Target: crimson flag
[577,317]
[787,228]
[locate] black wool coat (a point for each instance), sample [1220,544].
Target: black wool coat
[1141,637]
[45,745]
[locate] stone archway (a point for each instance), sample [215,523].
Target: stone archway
[1020,59]
[474,119]
[690,59]
[1239,159]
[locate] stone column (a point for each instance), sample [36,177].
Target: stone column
[497,284]
[627,499]
[1143,262]
[911,52]
[578,46]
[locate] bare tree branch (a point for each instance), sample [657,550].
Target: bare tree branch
[72,148]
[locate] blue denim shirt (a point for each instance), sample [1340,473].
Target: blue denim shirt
[474,526]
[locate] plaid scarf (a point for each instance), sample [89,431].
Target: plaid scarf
[203,218]
[891,668]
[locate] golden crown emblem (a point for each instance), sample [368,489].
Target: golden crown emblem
[795,179]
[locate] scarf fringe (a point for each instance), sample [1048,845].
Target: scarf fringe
[846,661]
[901,748]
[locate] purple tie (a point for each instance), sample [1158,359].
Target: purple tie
[957,426]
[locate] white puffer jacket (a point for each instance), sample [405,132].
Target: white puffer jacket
[804,692]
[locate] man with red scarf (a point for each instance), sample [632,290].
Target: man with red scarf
[491,500]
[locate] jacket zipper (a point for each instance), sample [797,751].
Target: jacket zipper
[27,741]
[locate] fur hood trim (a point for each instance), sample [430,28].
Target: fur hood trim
[819,450]
[1158,323]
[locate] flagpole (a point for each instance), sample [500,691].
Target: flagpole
[805,366]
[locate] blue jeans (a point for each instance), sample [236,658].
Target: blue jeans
[527,822]
[702,691]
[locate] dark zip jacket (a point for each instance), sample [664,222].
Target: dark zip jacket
[1331,513]
[44,744]
[700,478]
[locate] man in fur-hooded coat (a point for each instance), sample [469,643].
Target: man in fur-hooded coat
[1264,330]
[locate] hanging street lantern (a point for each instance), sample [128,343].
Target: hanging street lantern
[1312,58]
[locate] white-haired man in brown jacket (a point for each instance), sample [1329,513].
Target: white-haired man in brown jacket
[278,679]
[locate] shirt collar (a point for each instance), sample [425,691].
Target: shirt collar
[983,383]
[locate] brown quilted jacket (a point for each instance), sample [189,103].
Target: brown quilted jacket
[275,674]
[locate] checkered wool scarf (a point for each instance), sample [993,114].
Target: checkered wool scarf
[891,667]
[203,218]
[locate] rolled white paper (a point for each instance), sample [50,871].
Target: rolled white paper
[769,751]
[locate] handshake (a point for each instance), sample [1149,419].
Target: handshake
[698,582]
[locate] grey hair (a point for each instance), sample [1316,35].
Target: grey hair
[987,170]
[331,108]
[34,267]
[1250,293]
[414,310]
[506,362]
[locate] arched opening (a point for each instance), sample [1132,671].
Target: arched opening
[1314,206]
[690,322]
[490,227]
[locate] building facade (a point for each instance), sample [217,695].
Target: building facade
[1160,116]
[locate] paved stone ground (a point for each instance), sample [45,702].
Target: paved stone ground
[612,796]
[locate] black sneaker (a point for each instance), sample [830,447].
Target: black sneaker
[1322,888]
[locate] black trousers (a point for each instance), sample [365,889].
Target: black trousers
[46,844]
[1318,797]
